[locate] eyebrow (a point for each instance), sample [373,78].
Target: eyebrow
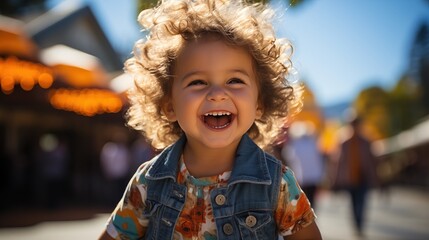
[240,71]
[203,72]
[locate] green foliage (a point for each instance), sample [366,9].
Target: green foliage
[391,112]
[258,1]
[145,4]
[372,105]
[292,3]
[405,106]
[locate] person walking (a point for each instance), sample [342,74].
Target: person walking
[356,172]
[303,156]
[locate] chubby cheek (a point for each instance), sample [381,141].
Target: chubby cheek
[186,108]
[186,102]
[248,101]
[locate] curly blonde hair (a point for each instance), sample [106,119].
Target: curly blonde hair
[174,23]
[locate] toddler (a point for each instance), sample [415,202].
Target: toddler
[211,89]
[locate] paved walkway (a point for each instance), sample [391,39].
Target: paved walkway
[404,214]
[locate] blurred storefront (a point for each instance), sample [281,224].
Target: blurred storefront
[57,108]
[404,157]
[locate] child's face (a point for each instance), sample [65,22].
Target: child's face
[214,94]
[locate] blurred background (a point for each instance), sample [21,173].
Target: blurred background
[66,154]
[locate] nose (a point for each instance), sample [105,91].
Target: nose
[217,93]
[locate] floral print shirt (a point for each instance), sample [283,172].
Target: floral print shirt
[196,220]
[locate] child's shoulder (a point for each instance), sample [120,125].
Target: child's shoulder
[272,159]
[144,168]
[286,172]
[288,176]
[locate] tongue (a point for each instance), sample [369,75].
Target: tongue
[216,121]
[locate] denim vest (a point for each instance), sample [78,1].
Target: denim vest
[244,209]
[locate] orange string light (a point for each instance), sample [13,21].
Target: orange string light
[27,74]
[86,102]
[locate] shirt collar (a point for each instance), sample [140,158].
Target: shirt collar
[185,176]
[249,166]
[166,164]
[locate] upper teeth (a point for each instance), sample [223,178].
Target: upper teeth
[217,113]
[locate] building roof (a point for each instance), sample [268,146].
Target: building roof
[75,26]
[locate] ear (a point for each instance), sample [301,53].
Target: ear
[259,112]
[168,110]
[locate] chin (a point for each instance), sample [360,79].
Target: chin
[220,143]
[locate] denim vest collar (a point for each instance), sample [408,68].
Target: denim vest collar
[249,166]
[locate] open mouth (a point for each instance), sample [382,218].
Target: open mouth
[217,120]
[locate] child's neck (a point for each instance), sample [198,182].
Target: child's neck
[203,162]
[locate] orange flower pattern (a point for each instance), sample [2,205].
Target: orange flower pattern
[196,219]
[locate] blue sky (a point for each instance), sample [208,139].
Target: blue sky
[341,46]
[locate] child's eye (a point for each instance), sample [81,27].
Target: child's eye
[235,80]
[196,82]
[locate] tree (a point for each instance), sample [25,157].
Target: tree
[419,63]
[311,111]
[372,105]
[404,105]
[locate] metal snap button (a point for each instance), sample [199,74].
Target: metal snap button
[251,221]
[220,199]
[178,194]
[227,229]
[167,222]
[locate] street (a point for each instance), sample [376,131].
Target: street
[399,214]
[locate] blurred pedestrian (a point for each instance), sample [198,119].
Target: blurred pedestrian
[303,156]
[52,157]
[115,166]
[141,151]
[356,172]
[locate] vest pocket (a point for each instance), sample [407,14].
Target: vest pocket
[151,212]
[150,208]
[256,224]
